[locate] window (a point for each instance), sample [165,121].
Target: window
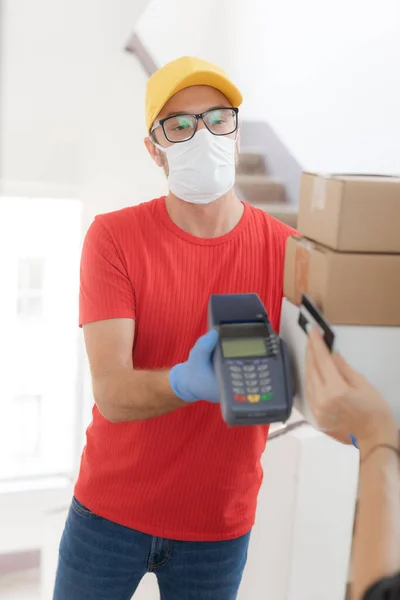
[26,426]
[30,286]
[40,242]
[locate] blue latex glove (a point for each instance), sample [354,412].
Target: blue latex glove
[195,379]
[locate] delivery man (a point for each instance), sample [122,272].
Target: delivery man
[164,485]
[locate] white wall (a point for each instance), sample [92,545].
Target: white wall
[71,124]
[325,76]
[117,168]
[72,103]
[174,28]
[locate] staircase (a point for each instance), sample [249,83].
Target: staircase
[255,186]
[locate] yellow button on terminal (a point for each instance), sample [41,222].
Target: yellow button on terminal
[253,399]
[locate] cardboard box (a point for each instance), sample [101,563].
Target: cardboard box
[351,289]
[351,213]
[373,351]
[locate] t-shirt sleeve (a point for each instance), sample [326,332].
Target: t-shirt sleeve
[386,589]
[106,290]
[281,234]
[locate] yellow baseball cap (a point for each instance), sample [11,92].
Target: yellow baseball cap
[183,73]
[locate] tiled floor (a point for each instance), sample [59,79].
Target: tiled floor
[20,586]
[26,586]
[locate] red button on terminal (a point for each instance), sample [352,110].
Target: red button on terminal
[240,398]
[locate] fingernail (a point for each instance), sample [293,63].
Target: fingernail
[309,328]
[354,441]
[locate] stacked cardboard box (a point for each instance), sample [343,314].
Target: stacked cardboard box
[347,258]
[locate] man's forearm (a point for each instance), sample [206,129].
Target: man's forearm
[134,395]
[377,536]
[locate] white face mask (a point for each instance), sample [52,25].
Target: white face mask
[202,169]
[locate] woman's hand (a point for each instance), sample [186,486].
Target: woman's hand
[343,402]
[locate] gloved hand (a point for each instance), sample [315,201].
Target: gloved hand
[195,379]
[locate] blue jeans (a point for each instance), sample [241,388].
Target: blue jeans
[100,560]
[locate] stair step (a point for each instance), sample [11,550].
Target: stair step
[251,162]
[260,189]
[286,213]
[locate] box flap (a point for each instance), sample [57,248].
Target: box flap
[310,245]
[355,176]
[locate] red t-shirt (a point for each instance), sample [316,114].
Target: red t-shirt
[184,475]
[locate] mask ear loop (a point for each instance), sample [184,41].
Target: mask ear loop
[157,145]
[237,142]
[160,148]
[238,132]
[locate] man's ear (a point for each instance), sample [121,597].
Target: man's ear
[154,152]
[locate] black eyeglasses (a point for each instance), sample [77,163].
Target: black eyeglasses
[182,127]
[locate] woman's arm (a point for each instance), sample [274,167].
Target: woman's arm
[376,548]
[343,403]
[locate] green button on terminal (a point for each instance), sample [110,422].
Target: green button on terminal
[266,397]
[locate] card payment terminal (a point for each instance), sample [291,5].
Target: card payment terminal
[251,362]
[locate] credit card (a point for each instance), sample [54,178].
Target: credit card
[311,315]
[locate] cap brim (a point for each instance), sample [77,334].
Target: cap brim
[215,80]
